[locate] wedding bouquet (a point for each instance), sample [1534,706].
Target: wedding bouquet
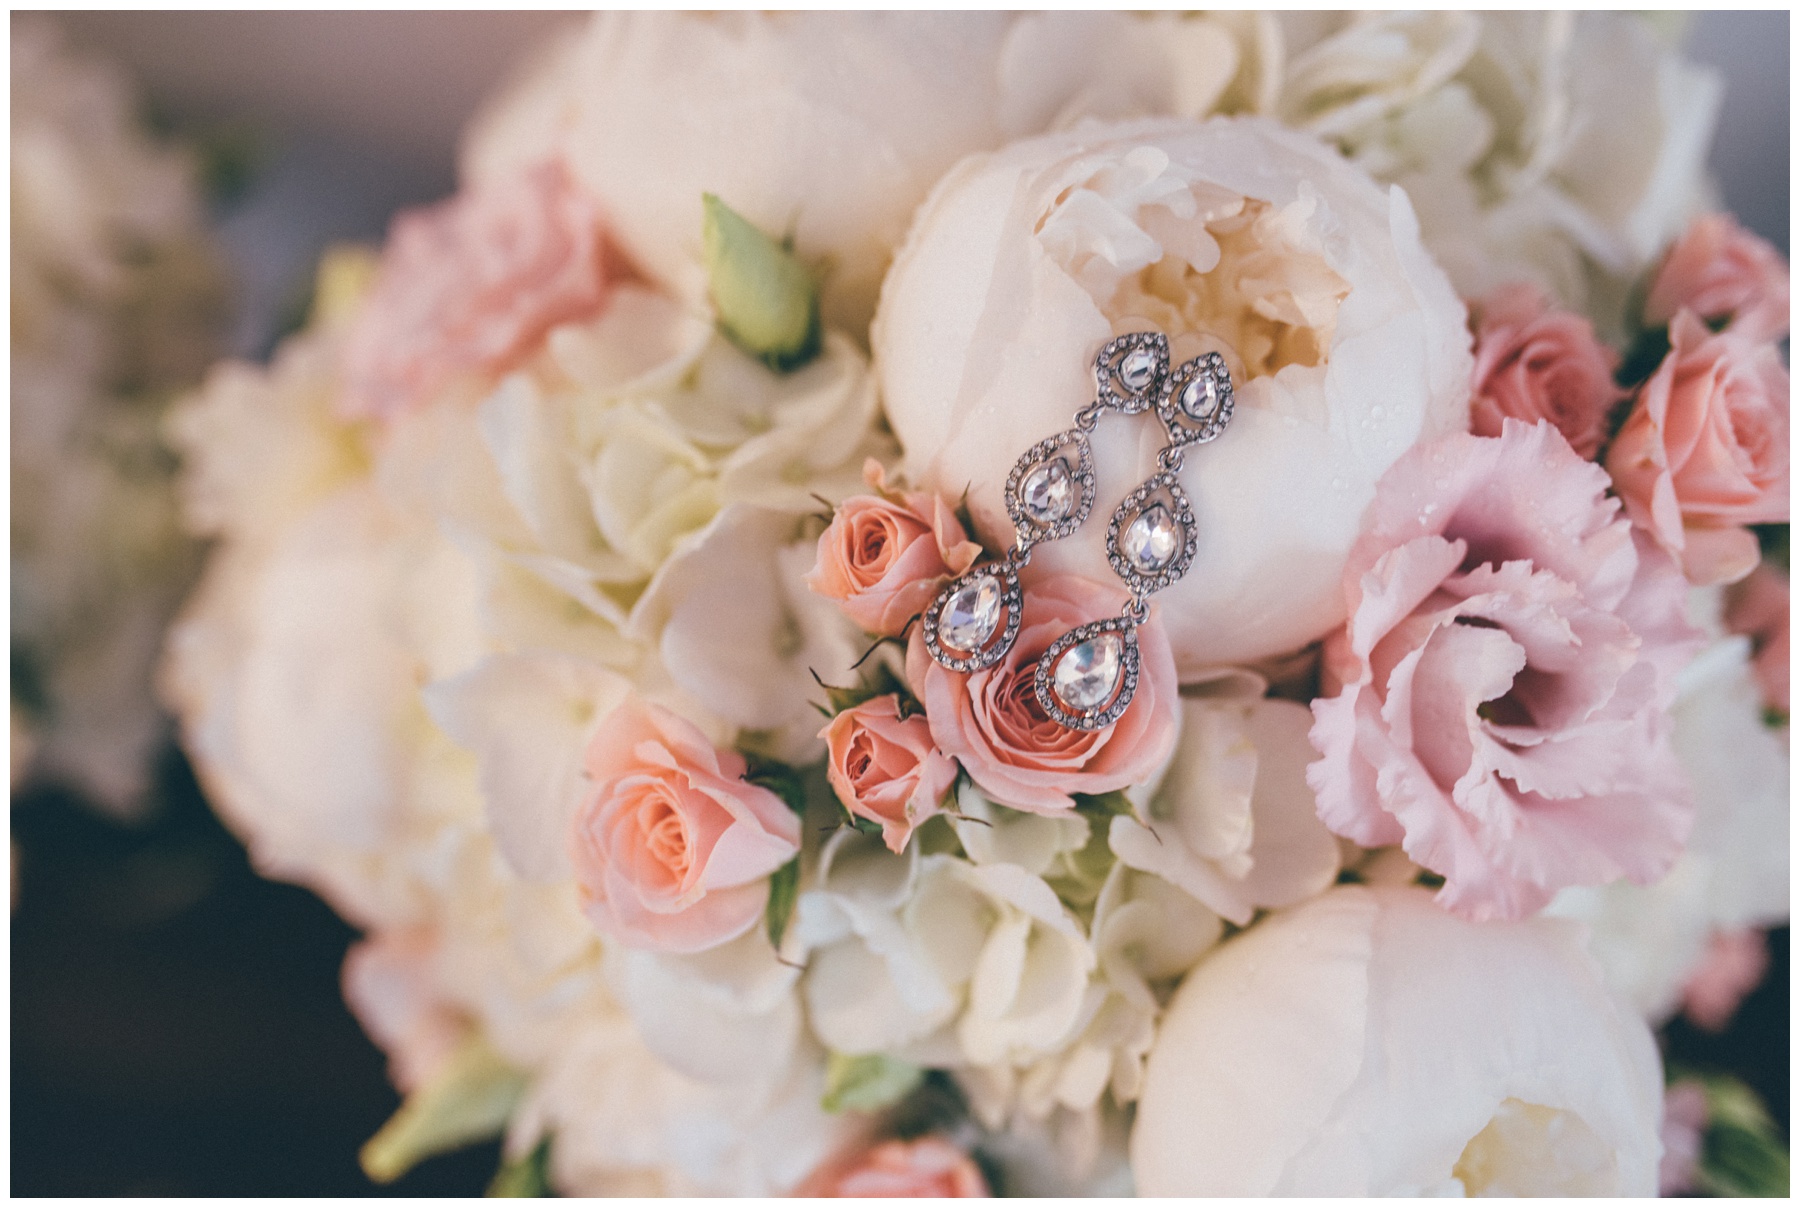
[115,307]
[1042,603]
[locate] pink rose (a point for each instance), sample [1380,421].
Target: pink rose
[885,768]
[1505,678]
[473,284]
[389,987]
[885,556]
[1705,450]
[1757,607]
[929,1167]
[672,849]
[1535,363]
[1719,270]
[1734,965]
[990,720]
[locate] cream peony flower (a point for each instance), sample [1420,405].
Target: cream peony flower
[829,125]
[1345,344]
[1368,1043]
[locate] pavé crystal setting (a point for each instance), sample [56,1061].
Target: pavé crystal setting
[1087,678]
[1131,371]
[975,619]
[1196,402]
[1051,489]
[1152,537]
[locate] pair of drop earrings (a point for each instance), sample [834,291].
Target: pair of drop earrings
[1087,677]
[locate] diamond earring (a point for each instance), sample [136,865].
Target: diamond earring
[975,619]
[1087,678]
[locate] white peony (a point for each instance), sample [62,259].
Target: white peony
[1368,1043]
[1345,343]
[829,125]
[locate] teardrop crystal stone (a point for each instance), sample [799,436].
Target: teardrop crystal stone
[1200,397]
[1049,492]
[1151,540]
[970,615]
[1137,369]
[1087,674]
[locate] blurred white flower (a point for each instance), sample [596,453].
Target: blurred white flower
[830,125]
[115,304]
[1345,344]
[1368,1043]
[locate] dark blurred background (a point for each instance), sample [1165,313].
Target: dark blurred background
[176,1023]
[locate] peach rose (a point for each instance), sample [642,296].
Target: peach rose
[884,556]
[473,284]
[1705,450]
[1719,270]
[1532,363]
[929,1167]
[673,849]
[1757,607]
[885,768]
[1506,676]
[990,720]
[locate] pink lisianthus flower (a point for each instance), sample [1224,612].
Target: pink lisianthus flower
[1720,271]
[1532,363]
[1501,689]
[990,720]
[1734,965]
[472,285]
[673,848]
[1757,607]
[884,556]
[1705,450]
[929,1167]
[885,768]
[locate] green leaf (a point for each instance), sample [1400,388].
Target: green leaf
[868,1083]
[767,301]
[1104,806]
[1742,1154]
[784,780]
[784,891]
[471,1100]
[524,1178]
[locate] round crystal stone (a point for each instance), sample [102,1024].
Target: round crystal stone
[1087,674]
[1151,540]
[970,615]
[1200,397]
[1137,369]
[1049,492]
